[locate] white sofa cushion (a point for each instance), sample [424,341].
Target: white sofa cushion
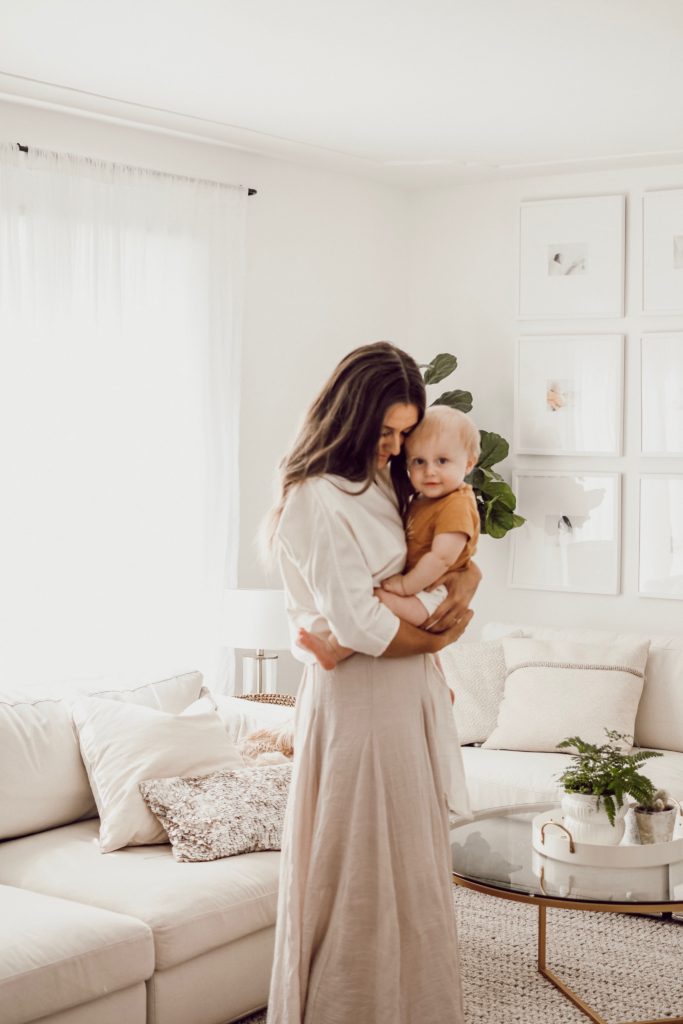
[559,688]
[43,782]
[659,722]
[499,778]
[42,779]
[56,954]
[190,908]
[124,744]
[172,694]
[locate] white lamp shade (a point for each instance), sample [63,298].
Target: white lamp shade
[255,619]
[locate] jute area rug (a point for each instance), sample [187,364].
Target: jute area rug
[626,968]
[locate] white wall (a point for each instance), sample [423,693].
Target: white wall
[327,270]
[335,261]
[464,277]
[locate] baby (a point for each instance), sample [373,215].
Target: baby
[442,528]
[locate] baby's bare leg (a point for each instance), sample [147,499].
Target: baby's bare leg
[410,609]
[325,647]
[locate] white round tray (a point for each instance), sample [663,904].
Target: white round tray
[553,842]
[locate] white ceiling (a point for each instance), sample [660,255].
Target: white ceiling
[410,91]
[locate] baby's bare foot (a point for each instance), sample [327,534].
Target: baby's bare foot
[319,647]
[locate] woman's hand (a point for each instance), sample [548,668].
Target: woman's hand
[461,586]
[454,632]
[411,639]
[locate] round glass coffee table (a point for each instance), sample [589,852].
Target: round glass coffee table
[493,854]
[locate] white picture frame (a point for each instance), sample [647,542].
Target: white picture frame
[571,540]
[660,558]
[569,395]
[661,393]
[571,258]
[663,251]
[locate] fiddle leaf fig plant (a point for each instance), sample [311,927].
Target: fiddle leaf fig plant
[495,500]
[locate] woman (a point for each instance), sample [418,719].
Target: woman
[365,930]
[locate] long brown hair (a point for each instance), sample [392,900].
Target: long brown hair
[342,428]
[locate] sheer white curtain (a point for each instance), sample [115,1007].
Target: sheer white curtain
[120,303]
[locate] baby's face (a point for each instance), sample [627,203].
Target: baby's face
[437,465]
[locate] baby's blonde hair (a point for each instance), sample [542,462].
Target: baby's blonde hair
[441,419]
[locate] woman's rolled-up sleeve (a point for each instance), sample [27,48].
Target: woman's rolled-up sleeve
[319,542]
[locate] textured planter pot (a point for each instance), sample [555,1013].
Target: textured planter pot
[655,826]
[588,824]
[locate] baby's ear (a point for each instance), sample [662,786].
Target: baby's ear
[470,466]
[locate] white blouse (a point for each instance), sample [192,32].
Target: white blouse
[335,544]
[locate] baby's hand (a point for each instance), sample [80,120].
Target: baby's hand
[394,585]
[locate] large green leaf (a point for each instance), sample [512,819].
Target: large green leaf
[494,448]
[501,491]
[441,366]
[479,478]
[461,400]
[499,520]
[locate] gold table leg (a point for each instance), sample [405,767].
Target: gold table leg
[567,992]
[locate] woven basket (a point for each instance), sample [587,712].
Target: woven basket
[270,698]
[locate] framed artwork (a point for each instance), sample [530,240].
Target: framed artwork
[571,258]
[660,571]
[571,540]
[663,251]
[661,397]
[568,395]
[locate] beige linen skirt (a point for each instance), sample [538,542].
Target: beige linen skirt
[365,929]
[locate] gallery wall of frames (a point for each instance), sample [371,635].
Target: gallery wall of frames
[569,396]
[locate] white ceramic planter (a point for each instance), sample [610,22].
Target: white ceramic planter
[656,826]
[588,824]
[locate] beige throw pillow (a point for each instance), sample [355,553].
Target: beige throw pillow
[222,814]
[122,744]
[556,689]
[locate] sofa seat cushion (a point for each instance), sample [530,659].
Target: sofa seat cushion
[499,778]
[190,908]
[56,954]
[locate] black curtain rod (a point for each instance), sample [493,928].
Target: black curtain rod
[24,149]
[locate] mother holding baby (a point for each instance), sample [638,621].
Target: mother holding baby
[365,928]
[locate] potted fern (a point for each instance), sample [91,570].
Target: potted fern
[596,783]
[655,816]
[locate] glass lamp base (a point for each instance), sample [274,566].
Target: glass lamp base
[259,674]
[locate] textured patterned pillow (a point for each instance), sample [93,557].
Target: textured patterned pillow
[233,811]
[476,674]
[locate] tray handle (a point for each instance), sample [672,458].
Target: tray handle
[572,847]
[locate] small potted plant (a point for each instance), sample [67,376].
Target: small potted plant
[656,817]
[595,784]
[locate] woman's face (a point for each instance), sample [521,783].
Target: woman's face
[399,420]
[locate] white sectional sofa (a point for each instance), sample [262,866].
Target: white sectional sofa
[133,936]
[119,938]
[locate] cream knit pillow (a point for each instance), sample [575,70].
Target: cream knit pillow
[476,674]
[556,689]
